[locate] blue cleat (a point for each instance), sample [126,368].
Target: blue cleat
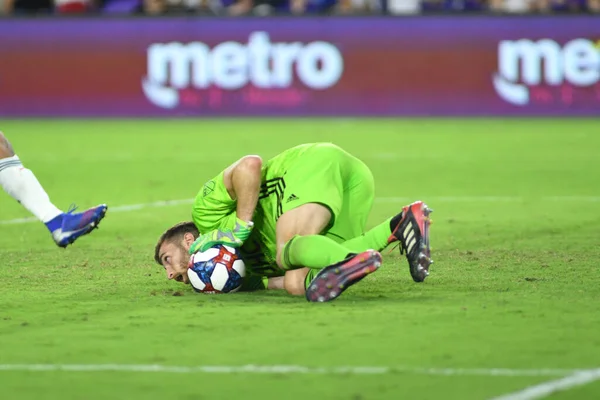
[74,225]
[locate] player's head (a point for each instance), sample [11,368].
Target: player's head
[171,251]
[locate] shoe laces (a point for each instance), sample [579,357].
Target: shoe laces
[72,208]
[399,243]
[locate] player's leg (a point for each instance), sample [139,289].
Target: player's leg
[410,227]
[313,198]
[331,267]
[348,229]
[359,195]
[299,240]
[312,203]
[21,184]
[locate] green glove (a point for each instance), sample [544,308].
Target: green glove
[232,238]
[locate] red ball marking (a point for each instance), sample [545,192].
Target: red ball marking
[209,289]
[226,258]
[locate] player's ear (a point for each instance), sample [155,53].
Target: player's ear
[188,239]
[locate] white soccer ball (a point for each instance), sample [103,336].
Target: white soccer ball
[219,269]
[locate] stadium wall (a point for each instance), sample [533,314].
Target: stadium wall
[354,66]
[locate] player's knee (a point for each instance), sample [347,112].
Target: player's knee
[6,149]
[253,163]
[293,281]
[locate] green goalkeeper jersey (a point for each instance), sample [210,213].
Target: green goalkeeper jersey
[214,209]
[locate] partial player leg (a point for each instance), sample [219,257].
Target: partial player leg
[331,268]
[358,198]
[20,183]
[314,196]
[299,243]
[410,227]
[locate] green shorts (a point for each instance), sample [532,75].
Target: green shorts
[330,176]
[324,174]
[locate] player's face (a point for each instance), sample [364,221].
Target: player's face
[174,257]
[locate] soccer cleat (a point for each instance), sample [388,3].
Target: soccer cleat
[75,225]
[331,281]
[413,233]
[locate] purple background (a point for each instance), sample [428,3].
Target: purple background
[415,66]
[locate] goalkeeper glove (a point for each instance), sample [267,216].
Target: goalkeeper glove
[232,238]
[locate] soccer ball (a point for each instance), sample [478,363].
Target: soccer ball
[219,269]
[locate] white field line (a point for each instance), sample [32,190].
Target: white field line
[286,369]
[544,389]
[399,200]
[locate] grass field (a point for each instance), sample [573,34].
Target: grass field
[515,284]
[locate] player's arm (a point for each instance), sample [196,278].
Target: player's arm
[237,190]
[254,283]
[292,282]
[242,180]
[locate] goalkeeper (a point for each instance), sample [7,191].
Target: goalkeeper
[299,221]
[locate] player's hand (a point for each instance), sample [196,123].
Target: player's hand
[233,238]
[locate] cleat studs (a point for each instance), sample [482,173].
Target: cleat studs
[377,264]
[341,286]
[329,286]
[337,271]
[332,295]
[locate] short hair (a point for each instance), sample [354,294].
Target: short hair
[175,232]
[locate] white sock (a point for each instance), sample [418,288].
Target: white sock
[23,186]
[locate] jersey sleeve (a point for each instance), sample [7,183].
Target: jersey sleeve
[213,207]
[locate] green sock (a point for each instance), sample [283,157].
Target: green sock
[312,251]
[317,252]
[376,239]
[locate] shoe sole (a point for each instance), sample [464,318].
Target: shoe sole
[330,285]
[419,265]
[91,227]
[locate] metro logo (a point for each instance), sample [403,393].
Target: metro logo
[523,64]
[232,65]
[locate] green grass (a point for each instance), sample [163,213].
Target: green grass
[516,282]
